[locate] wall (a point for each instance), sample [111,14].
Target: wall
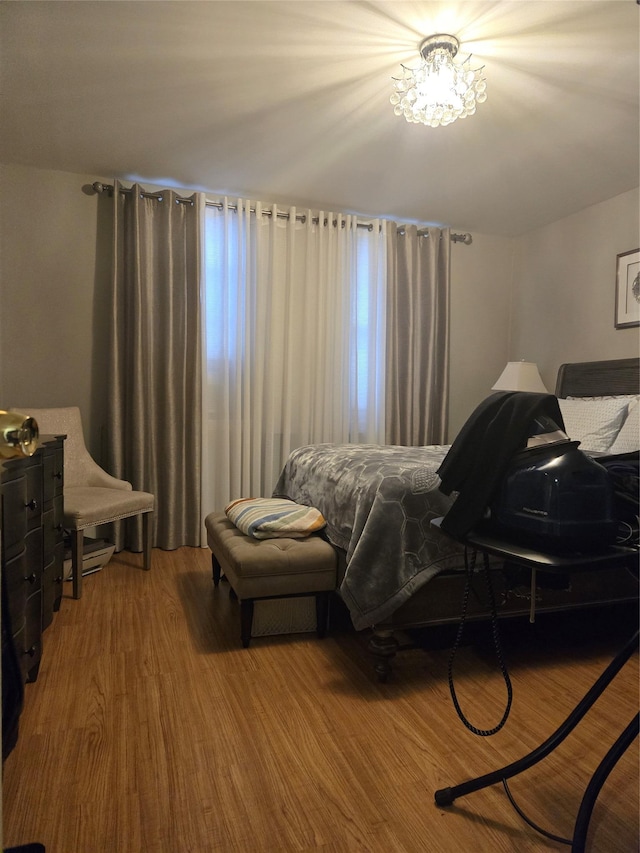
[52,293]
[547,297]
[55,246]
[564,291]
[481,283]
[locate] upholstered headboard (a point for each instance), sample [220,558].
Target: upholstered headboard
[596,378]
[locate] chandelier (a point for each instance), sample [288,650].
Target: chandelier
[440,90]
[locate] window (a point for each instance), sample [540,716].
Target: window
[294,336]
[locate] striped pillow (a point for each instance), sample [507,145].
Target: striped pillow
[268,518]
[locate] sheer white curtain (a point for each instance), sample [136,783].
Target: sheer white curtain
[294,340]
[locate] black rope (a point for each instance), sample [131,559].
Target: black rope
[533,825]
[470,568]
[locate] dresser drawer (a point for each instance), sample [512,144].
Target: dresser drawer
[32,638]
[53,559]
[32,545]
[15,571]
[33,497]
[21,507]
[52,479]
[14,519]
[51,531]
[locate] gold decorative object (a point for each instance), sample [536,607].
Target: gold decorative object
[18,435]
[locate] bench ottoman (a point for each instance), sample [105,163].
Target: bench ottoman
[271,568]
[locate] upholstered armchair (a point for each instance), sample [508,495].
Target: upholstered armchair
[91,496]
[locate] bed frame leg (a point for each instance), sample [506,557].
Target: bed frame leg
[383,646]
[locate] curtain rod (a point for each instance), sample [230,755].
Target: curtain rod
[99,187]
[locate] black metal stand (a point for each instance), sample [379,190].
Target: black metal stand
[446,796]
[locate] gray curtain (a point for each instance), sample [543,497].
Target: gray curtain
[417,386]
[154,374]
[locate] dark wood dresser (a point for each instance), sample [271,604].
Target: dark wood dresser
[33,546]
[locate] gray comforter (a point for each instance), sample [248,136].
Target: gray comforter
[378,502]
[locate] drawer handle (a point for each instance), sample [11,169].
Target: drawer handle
[32,578]
[58,527]
[31,652]
[32,505]
[58,475]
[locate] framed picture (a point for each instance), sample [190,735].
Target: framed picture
[628,289]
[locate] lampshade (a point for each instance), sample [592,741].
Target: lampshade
[520,376]
[440,90]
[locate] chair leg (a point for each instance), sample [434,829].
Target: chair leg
[77,542]
[216,569]
[322,613]
[147,538]
[246,621]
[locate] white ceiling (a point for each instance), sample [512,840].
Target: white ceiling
[289,102]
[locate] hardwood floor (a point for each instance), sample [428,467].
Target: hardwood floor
[150,730]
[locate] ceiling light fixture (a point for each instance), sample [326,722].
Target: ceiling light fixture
[440,90]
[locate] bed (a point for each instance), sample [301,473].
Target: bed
[399,572]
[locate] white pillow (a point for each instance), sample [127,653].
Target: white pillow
[623,398]
[628,439]
[594,423]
